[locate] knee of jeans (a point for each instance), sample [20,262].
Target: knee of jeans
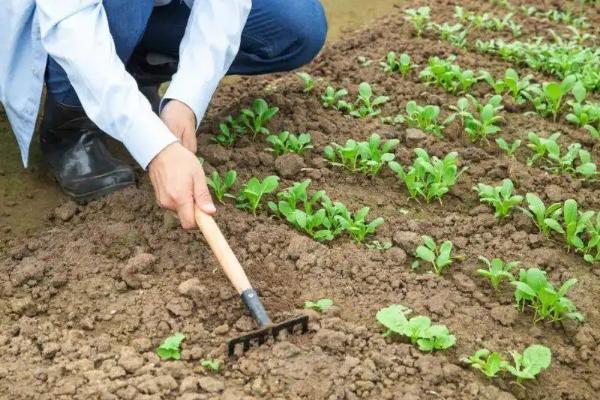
[310,32]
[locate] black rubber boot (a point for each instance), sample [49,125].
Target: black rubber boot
[79,159]
[150,71]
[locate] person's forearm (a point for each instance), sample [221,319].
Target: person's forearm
[76,34]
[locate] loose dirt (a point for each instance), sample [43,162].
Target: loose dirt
[84,303]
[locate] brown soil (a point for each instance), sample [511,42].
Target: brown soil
[84,304]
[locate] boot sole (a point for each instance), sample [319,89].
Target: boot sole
[83,198]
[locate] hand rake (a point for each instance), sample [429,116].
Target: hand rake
[236,275]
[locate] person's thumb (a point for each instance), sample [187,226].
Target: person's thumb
[202,196]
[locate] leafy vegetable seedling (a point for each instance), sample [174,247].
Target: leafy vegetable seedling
[490,364]
[286,142]
[500,197]
[546,219]
[393,63]
[418,17]
[507,147]
[307,81]
[366,105]
[439,257]
[211,364]
[220,185]
[424,118]
[357,226]
[377,245]
[170,348]
[332,98]
[367,157]
[253,191]
[319,305]
[256,117]
[549,99]
[574,223]
[479,128]
[497,270]
[533,289]
[528,365]
[418,329]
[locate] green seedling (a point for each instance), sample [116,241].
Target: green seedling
[256,117]
[549,100]
[507,147]
[211,365]
[418,17]
[254,190]
[366,105]
[497,270]
[486,125]
[533,289]
[528,365]
[286,142]
[575,223]
[367,157]
[393,63]
[170,349]
[490,364]
[582,113]
[592,247]
[424,118]
[418,329]
[428,177]
[332,97]
[319,305]
[517,87]
[307,81]
[461,110]
[575,161]
[440,257]
[540,145]
[333,210]
[446,30]
[500,197]
[226,136]
[377,245]
[364,61]
[546,219]
[220,185]
[447,75]
[498,86]
[357,226]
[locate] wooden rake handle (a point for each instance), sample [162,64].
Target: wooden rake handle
[219,246]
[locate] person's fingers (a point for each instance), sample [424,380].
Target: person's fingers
[202,196]
[186,215]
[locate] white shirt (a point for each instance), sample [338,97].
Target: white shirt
[76,34]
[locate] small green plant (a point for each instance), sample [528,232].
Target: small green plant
[307,81]
[366,105]
[582,113]
[549,99]
[428,177]
[440,257]
[497,270]
[170,348]
[546,219]
[254,190]
[393,63]
[286,142]
[446,30]
[367,157]
[319,305]
[424,118]
[332,98]
[490,364]
[256,117]
[226,136]
[211,365]
[528,365]
[418,17]
[507,147]
[418,329]
[486,125]
[357,226]
[447,75]
[534,290]
[540,145]
[500,197]
[575,223]
[220,185]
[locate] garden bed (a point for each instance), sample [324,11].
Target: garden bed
[84,304]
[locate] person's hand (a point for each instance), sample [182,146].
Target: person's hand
[179,183]
[181,120]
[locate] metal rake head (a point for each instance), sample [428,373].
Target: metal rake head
[261,335]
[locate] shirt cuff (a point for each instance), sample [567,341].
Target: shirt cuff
[146,138]
[196,98]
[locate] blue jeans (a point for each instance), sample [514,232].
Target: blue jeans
[279,35]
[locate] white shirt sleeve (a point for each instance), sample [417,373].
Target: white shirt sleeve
[209,46]
[76,34]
